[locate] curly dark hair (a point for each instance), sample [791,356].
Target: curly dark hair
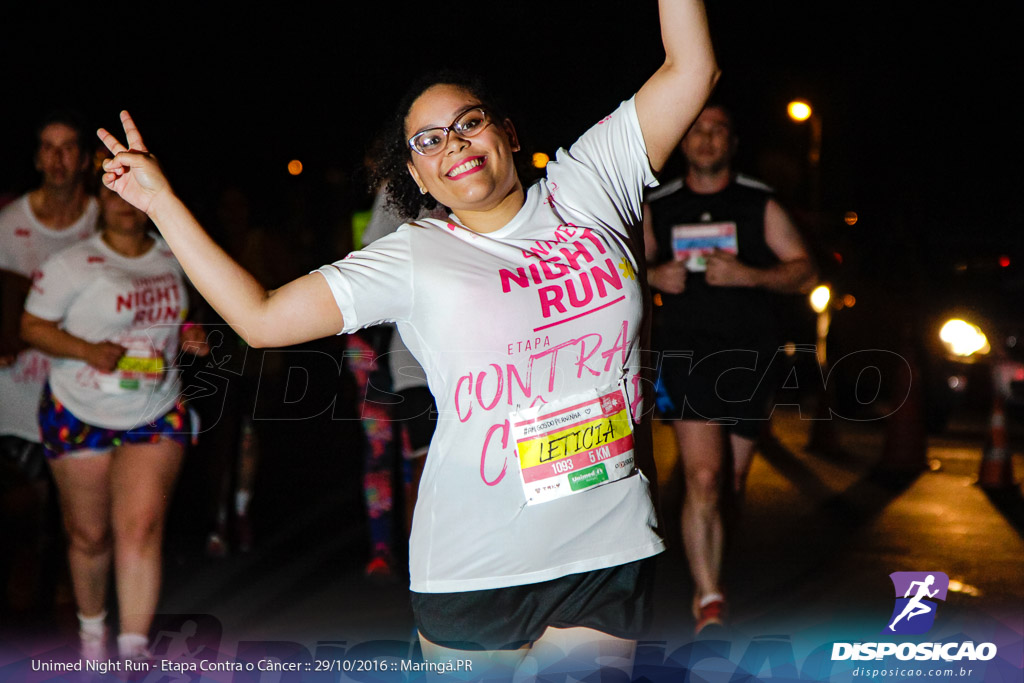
[391,165]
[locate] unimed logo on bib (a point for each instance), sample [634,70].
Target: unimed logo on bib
[917,596]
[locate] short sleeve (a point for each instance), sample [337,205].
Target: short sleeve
[6,262]
[373,285]
[8,221]
[54,287]
[615,151]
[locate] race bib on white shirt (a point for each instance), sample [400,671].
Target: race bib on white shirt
[141,368]
[574,444]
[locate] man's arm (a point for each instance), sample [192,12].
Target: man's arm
[13,290]
[667,277]
[794,274]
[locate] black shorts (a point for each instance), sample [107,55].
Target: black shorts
[729,381]
[616,601]
[20,456]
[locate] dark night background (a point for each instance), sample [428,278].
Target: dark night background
[921,121]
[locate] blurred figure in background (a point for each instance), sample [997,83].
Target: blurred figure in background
[365,359]
[109,310]
[232,452]
[720,247]
[47,219]
[415,415]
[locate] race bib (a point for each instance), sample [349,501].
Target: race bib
[572,445]
[138,369]
[692,243]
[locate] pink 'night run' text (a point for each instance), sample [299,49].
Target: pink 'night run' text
[569,274]
[152,300]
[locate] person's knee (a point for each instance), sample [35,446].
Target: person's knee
[703,484]
[88,537]
[139,529]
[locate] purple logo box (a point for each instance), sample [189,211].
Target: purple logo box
[916,595]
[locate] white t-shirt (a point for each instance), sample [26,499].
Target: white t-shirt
[544,308]
[139,303]
[24,244]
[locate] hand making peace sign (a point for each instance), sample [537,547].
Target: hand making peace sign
[133,173]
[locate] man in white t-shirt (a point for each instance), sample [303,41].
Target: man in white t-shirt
[45,220]
[33,227]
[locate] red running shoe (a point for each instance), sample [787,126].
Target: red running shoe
[379,570]
[711,614]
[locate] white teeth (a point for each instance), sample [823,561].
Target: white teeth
[462,168]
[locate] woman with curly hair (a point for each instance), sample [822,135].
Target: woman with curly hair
[534,530]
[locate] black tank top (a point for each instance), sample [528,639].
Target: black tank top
[743,311]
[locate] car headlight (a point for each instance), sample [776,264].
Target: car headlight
[963,339]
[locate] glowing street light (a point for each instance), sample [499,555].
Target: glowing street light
[820,298]
[822,437]
[799,111]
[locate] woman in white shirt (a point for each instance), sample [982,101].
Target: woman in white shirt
[109,310]
[524,300]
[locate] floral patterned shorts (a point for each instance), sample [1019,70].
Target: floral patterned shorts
[63,433]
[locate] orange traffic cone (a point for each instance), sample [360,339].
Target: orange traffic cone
[996,471]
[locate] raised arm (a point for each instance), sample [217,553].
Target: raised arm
[302,310]
[673,97]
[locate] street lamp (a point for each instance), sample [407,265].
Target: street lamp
[822,438]
[820,298]
[801,111]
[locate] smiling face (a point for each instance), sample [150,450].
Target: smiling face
[469,174]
